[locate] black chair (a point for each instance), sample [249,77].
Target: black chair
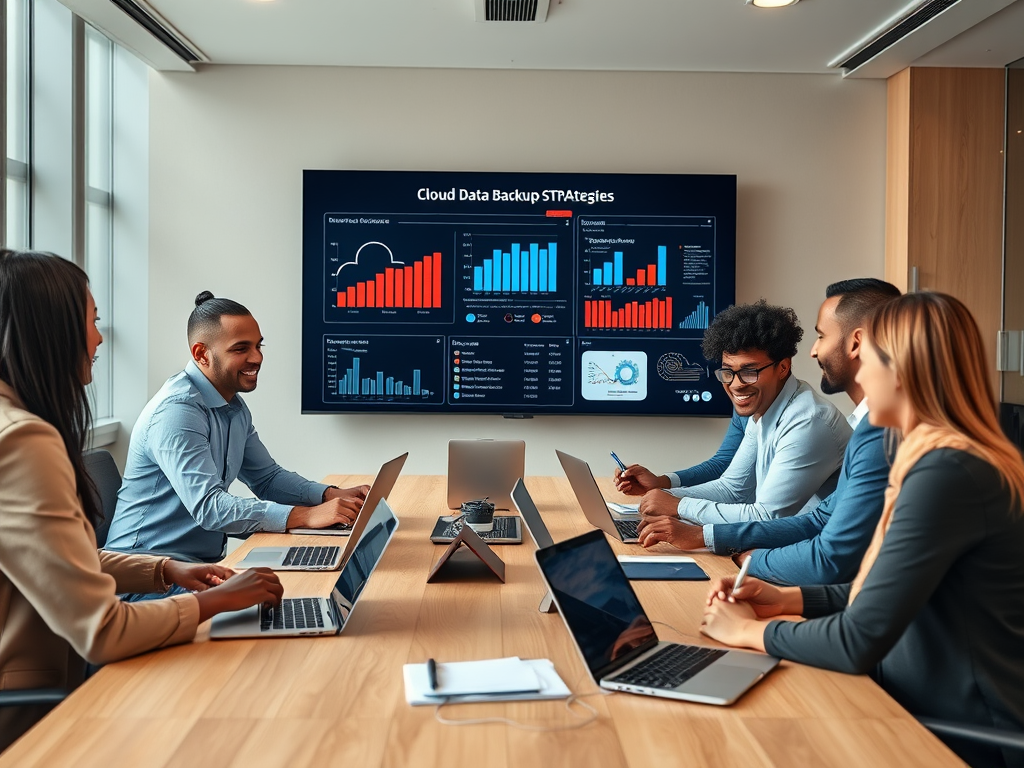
[31,696]
[104,473]
[993,737]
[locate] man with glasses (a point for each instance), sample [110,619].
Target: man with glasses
[827,545]
[792,448]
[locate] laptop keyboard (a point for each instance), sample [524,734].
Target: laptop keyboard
[504,528]
[310,556]
[628,528]
[670,667]
[293,613]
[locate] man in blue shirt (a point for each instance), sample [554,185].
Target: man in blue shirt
[195,437]
[826,545]
[793,444]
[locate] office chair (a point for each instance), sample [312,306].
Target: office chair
[993,737]
[32,696]
[104,473]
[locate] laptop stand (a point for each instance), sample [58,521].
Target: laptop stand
[449,566]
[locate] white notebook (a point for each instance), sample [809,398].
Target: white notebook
[511,679]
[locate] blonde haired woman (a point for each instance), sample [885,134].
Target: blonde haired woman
[936,614]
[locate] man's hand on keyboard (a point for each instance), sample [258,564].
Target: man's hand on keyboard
[656,529]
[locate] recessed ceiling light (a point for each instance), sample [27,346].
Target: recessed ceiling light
[772,3]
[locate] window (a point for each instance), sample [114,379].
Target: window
[99,263]
[67,92]
[16,214]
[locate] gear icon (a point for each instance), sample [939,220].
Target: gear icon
[627,373]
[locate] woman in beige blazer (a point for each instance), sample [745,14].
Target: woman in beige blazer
[58,595]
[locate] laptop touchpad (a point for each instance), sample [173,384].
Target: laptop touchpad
[263,556]
[721,681]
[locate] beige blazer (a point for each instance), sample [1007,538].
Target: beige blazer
[58,594]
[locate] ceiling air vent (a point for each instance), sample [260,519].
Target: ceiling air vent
[896,31]
[158,29]
[512,10]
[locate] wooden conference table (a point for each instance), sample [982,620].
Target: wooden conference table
[339,701]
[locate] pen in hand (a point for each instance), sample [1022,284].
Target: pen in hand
[741,576]
[618,461]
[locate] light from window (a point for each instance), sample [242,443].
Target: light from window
[17,129]
[99,206]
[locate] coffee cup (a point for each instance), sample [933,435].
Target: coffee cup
[479,515]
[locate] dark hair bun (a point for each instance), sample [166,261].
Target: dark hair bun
[203,297]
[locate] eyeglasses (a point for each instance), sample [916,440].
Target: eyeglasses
[747,375]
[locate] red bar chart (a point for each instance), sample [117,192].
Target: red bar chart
[656,314]
[417,286]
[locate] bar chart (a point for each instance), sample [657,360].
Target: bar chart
[522,268]
[412,286]
[654,314]
[612,274]
[378,385]
[698,319]
[384,369]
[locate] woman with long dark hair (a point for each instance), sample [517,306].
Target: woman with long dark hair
[58,595]
[936,613]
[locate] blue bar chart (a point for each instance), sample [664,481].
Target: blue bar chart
[612,274]
[353,383]
[698,319]
[523,268]
[382,369]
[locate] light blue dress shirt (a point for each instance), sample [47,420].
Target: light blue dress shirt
[788,460]
[187,447]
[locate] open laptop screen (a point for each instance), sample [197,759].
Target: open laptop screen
[531,515]
[368,552]
[597,602]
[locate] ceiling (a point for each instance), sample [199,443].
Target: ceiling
[658,35]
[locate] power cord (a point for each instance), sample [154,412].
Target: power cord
[573,699]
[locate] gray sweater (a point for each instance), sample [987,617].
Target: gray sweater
[939,623]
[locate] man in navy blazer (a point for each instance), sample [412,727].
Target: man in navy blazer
[826,545]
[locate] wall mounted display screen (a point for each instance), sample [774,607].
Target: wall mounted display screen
[514,293]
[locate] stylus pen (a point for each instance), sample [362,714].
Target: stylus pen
[741,576]
[432,674]
[618,461]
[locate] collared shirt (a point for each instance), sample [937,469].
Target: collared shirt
[859,413]
[187,447]
[786,459]
[826,545]
[854,420]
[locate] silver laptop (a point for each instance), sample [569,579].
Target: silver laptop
[597,510]
[317,615]
[381,487]
[531,515]
[292,558]
[538,531]
[618,642]
[480,469]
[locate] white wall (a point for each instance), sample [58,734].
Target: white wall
[228,146]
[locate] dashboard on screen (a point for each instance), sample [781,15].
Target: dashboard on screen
[514,293]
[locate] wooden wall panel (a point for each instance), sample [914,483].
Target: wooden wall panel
[1013,383]
[897,179]
[951,223]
